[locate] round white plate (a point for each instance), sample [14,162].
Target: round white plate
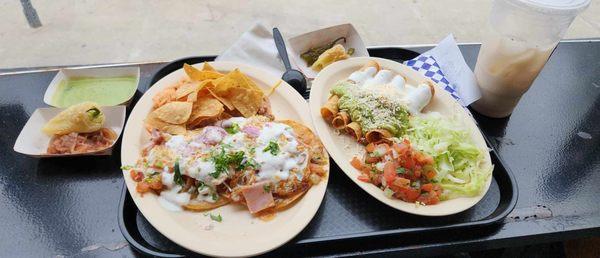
[240,233]
[342,147]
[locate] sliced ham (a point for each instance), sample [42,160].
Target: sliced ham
[257,198]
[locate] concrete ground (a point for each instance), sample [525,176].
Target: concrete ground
[101,31]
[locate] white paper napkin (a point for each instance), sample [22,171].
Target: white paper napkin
[452,63]
[256,47]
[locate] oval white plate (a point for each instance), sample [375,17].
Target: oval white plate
[342,148]
[239,234]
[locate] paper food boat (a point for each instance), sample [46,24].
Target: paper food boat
[101,72]
[301,43]
[33,142]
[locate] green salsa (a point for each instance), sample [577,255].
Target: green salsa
[371,110]
[107,91]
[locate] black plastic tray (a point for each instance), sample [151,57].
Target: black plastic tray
[349,220]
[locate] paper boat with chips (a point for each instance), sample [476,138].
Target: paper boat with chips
[319,38]
[34,142]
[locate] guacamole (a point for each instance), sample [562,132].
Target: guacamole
[107,91]
[371,110]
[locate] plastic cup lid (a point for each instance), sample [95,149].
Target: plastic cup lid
[560,7]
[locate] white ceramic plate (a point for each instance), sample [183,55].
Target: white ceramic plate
[240,233]
[33,142]
[342,147]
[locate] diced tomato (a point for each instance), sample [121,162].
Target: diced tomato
[427,187]
[417,172]
[422,158]
[409,163]
[437,189]
[370,147]
[356,163]
[408,194]
[401,149]
[366,170]
[376,180]
[136,175]
[401,182]
[364,178]
[369,159]
[142,187]
[389,172]
[156,185]
[428,198]
[430,174]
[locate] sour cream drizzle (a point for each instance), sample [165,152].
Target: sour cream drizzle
[275,150]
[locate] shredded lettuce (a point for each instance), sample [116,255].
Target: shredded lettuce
[459,163]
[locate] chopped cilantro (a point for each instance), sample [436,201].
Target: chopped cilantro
[216,218]
[221,163]
[273,148]
[234,128]
[215,174]
[249,163]
[400,170]
[200,185]
[177,178]
[267,188]
[236,158]
[214,196]
[126,167]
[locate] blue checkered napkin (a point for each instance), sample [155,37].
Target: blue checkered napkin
[427,66]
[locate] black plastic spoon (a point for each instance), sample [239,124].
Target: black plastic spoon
[293,77]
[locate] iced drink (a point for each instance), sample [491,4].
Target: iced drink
[521,37]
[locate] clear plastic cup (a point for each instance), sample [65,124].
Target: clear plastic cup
[521,36]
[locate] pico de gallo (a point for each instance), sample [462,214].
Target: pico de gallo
[401,171]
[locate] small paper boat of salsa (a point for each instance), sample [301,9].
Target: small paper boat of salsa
[33,142]
[109,86]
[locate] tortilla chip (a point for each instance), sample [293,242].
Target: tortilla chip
[305,134]
[174,129]
[246,101]
[188,88]
[197,75]
[224,116]
[203,206]
[207,67]
[283,204]
[243,80]
[164,96]
[206,107]
[202,122]
[176,112]
[153,122]
[251,83]
[219,88]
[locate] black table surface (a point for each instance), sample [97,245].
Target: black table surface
[55,207]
